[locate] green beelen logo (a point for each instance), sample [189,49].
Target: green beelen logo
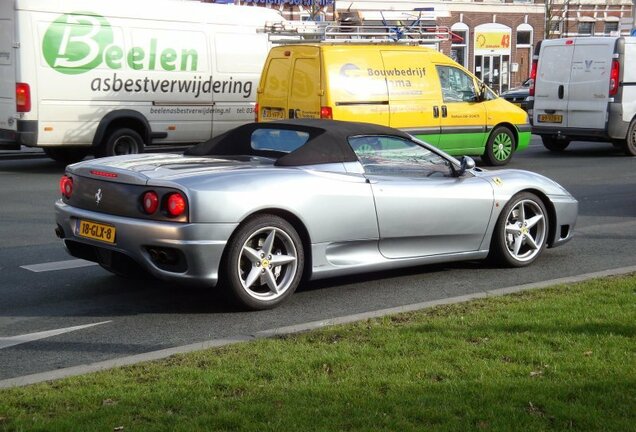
[74,43]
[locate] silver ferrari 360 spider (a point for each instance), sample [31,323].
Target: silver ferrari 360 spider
[265,205]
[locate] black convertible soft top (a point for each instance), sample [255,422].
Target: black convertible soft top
[327,143]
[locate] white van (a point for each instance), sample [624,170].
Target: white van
[584,89]
[109,77]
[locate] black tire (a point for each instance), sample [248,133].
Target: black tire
[248,269]
[121,142]
[630,141]
[554,144]
[518,239]
[500,147]
[67,155]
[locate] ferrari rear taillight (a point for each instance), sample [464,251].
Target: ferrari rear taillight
[150,202]
[175,204]
[66,186]
[614,76]
[22,97]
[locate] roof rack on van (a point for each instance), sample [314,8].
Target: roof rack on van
[406,27]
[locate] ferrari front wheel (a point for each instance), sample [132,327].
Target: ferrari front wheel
[521,232]
[264,262]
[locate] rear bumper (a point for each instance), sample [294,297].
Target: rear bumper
[26,134]
[200,246]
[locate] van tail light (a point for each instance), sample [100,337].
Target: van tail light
[256,108]
[533,76]
[22,97]
[175,204]
[614,76]
[66,186]
[326,113]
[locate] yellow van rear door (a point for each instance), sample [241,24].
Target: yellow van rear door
[274,87]
[414,94]
[353,91]
[304,94]
[463,117]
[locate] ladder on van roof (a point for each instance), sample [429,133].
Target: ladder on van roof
[360,26]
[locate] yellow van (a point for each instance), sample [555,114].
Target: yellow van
[413,88]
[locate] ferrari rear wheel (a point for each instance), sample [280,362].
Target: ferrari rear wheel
[521,232]
[264,263]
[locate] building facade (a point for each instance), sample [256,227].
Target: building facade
[494,39]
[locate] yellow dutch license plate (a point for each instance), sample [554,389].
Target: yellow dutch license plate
[273,113]
[550,118]
[96,231]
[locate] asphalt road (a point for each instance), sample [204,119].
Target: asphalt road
[141,316]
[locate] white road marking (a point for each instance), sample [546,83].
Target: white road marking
[6,342]
[58,265]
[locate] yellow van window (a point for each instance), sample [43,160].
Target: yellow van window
[457,85]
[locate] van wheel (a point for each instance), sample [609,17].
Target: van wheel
[630,141]
[121,142]
[67,155]
[554,144]
[499,147]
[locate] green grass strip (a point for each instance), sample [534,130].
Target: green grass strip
[557,359]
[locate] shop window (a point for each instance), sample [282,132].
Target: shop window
[611,27]
[556,26]
[524,37]
[459,44]
[586,28]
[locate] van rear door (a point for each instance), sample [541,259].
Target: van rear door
[7,76]
[588,92]
[290,85]
[274,86]
[552,83]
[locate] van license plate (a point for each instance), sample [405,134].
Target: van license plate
[269,113]
[96,231]
[550,118]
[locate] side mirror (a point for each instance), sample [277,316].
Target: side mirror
[466,163]
[482,92]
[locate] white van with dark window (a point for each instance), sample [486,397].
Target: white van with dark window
[110,77]
[585,90]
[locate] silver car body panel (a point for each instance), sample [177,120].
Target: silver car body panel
[418,221]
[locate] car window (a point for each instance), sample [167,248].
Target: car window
[457,85]
[396,156]
[280,140]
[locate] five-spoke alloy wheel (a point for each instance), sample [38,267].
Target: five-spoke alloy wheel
[521,232]
[264,263]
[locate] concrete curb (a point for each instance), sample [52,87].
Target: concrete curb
[298,328]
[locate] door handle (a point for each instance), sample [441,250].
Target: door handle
[561,91]
[444,111]
[435,112]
